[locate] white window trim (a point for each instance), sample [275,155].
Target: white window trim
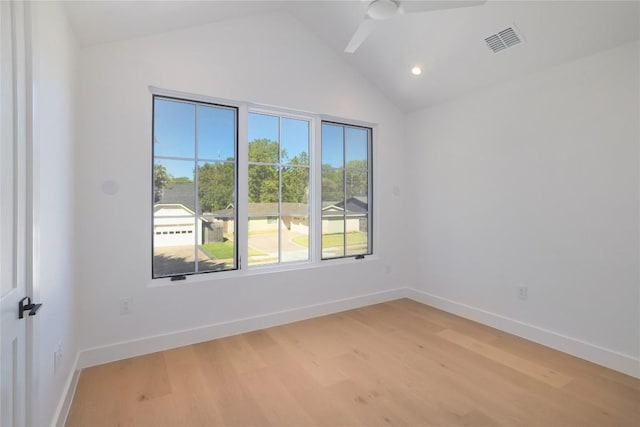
[313,177]
[315,167]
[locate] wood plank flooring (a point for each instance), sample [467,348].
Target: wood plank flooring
[399,363]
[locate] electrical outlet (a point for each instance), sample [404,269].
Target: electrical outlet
[522,292]
[125,306]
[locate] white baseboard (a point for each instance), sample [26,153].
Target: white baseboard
[584,350]
[62,411]
[126,349]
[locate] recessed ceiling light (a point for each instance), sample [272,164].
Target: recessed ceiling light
[416,71]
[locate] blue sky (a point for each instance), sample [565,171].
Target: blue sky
[294,133]
[334,149]
[175,135]
[175,130]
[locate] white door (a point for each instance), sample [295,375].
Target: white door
[16,334]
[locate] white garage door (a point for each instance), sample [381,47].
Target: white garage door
[174,235]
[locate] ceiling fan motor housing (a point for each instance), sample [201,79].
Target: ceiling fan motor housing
[382,9]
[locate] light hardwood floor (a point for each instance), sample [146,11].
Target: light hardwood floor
[397,363]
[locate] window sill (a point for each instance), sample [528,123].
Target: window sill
[260,270]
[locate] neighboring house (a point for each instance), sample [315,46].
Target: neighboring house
[264,217]
[333,216]
[295,217]
[174,223]
[175,211]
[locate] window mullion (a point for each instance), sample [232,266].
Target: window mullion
[196,203]
[369,192]
[279,189]
[344,189]
[242,194]
[315,192]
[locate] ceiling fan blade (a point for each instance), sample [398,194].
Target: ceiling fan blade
[364,30]
[411,6]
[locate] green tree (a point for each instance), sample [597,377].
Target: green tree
[181,180]
[356,178]
[263,151]
[263,179]
[295,184]
[301,159]
[161,180]
[215,186]
[295,180]
[332,184]
[263,184]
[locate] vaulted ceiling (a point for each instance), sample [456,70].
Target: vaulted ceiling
[448,44]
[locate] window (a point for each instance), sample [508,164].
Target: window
[278,185]
[346,190]
[194,187]
[278,196]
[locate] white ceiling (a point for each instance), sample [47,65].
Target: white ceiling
[448,44]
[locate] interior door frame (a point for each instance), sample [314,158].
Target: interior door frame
[25,190]
[31,173]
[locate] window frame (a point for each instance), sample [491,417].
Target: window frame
[196,160]
[287,114]
[370,190]
[241,180]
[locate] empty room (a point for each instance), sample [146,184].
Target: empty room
[320,213]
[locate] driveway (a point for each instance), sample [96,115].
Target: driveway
[268,244]
[181,260]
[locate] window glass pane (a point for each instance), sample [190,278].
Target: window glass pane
[216,187]
[346,197]
[278,195]
[264,187]
[216,133]
[173,184]
[173,243]
[294,238]
[357,205]
[295,190]
[173,128]
[193,219]
[218,246]
[263,138]
[332,235]
[357,185]
[263,240]
[332,186]
[332,145]
[356,147]
[295,141]
[357,235]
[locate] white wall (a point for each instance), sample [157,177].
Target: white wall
[55,73]
[535,182]
[268,59]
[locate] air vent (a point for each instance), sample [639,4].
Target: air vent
[504,39]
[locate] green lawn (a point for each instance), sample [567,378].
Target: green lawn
[224,250]
[335,240]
